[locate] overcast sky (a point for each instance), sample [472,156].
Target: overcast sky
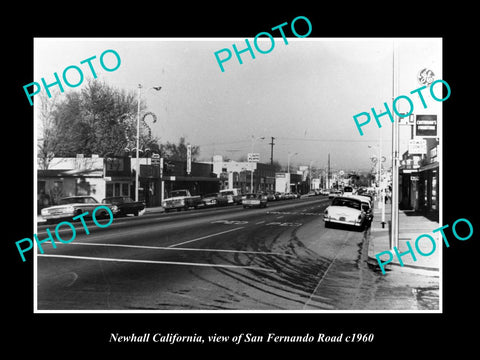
[304,94]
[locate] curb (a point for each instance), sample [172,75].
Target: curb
[417,269]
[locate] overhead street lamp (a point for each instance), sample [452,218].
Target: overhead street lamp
[137,166]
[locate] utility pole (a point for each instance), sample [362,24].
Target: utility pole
[328,172]
[271,151]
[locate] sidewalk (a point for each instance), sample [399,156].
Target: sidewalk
[411,225]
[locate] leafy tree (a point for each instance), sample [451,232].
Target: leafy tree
[172,151]
[97,120]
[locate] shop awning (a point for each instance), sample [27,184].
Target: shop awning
[431,166]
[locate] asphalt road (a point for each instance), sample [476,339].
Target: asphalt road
[278,258]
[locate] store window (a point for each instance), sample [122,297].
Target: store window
[117,189]
[109,190]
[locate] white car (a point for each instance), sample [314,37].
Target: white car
[367,205]
[75,205]
[345,210]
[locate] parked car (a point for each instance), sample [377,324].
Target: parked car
[214,199]
[324,192]
[125,205]
[270,196]
[234,196]
[181,199]
[367,206]
[347,190]
[69,207]
[347,211]
[255,200]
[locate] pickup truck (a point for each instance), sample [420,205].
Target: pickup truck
[181,199]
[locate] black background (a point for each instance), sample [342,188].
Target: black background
[406,334]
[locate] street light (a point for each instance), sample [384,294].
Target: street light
[137,166]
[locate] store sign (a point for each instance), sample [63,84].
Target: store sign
[189,159]
[426,126]
[417,146]
[253,157]
[155,160]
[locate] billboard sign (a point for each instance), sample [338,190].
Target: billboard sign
[426,126]
[253,157]
[189,159]
[417,146]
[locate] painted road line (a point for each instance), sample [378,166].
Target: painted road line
[184,249]
[156,262]
[206,237]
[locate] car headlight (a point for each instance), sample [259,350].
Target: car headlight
[114,208]
[44,212]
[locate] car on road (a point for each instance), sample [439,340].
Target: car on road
[71,206]
[181,200]
[347,190]
[125,205]
[234,196]
[270,196]
[345,210]
[367,206]
[334,193]
[254,200]
[214,199]
[324,192]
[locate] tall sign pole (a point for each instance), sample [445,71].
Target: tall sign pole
[395,154]
[137,165]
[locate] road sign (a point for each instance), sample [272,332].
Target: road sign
[253,157]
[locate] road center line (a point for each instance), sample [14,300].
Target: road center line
[184,249]
[157,262]
[206,237]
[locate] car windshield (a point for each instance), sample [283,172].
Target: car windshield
[116,199]
[347,189]
[351,203]
[77,200]
[252,196]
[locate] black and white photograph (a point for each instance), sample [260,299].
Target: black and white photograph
[273,174]
[221,181]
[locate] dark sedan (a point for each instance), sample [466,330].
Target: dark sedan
[214,199]
[125,205]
